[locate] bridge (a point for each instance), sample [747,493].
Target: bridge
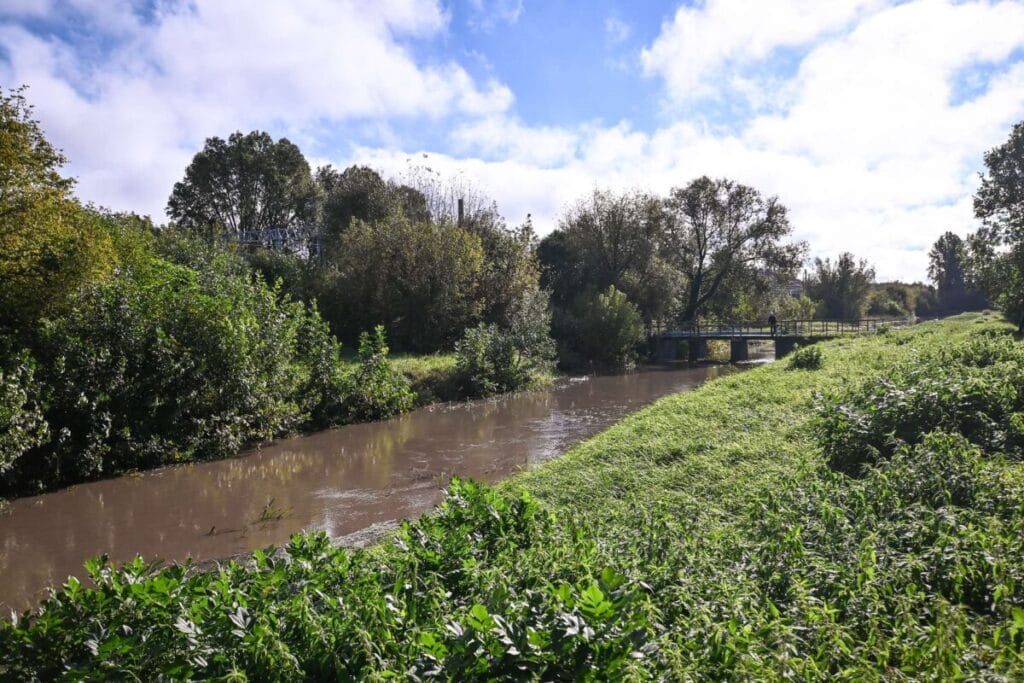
[786,335]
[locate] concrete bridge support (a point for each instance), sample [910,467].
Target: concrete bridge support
[784,346]
[738,350]
[697,349]
[667,350]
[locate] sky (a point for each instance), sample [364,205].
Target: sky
[868,119]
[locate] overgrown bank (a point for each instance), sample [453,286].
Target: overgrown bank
[706,537]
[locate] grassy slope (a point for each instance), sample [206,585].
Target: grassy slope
[741,560]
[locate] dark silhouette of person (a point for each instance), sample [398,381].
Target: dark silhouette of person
[774,323]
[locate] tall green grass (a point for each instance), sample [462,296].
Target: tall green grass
[706,537]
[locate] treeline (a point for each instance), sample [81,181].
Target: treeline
[127,346]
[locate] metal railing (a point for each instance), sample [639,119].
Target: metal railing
[783,328]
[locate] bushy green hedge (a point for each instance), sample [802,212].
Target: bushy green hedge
[975,388]
[166,363]
[703,539]
[433,605]
[375,390]
[805,358]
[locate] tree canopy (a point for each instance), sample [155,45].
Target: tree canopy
[248,183]
[49,244]
[997,249]
[842,287]
[716,228]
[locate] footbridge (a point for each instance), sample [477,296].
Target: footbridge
[785,334]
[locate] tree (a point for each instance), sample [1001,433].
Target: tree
[247,184]
[608,328]
[50,246]
[946,261]
[614,240]
[718,227]
[421,281]
[841,288]
[360,192]
[997,249]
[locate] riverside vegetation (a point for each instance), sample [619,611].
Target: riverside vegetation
[861,520]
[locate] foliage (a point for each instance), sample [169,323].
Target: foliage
[947,261]
[607,329]
[997,249]
[359,192]
[711,247]
[22,424]
[700,539]
[49,245]
[375,390]
[974,390]
[842,287]
[246,184]
[418,279]
[164,364]
[492,359]
[614,240]
[716,227]
[805,358]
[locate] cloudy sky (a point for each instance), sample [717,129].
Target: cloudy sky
[867,118]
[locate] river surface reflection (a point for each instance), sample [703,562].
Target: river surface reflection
[341,481]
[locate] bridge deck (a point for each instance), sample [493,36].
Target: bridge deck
[802,329]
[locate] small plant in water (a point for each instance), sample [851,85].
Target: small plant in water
[271,512]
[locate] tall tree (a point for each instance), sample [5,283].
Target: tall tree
[718,228]
[946,268]
[247,183]
[49,245]
[359,192]
[618,240]
[997,249]
[421,281]
[841,288]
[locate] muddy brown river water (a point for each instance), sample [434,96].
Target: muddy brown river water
[352,482]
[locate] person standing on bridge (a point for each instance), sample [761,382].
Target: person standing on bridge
[773,322]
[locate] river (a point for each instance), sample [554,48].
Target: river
[352,482]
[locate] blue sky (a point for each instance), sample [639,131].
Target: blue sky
[867,118]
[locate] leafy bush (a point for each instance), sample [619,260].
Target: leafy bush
[166,364]
[491,359]
[22,424]
[430,606]
[975,389]
[608,329]
[805,358]
[375,390]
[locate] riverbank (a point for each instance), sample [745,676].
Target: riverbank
[702,537]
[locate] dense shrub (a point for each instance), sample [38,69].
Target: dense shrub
[423,608]
[492,359]
[975,388]
[164,364]
[375,390]
[805,358]
[22,425]
[421,281]
[607,329]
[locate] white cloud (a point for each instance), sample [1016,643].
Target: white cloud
[487,14]
[867,136]
[130,119]
[700,42]
[616,30]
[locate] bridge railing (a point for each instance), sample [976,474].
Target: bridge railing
[783,328]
